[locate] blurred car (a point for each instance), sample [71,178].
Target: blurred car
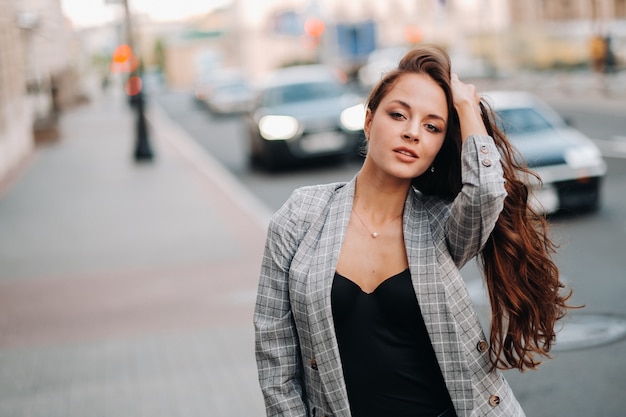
[569,164]
[230,95]
[208,80]
[379,62]
[468,66]
[383,60]
[304,112]
[201,87]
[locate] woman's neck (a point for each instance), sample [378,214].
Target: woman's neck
[380,200]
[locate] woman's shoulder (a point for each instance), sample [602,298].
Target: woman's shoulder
[318,194]
[306,203]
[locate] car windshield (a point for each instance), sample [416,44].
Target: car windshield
[234,87]
[293,93]
[522,120]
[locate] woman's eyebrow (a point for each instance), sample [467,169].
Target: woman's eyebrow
[402,103]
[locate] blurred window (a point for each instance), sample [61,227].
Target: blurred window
[300,92]
[522,120]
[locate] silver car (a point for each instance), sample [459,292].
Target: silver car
[569,164]
[304,112]
[230,95]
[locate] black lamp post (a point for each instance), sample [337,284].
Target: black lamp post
[143,150]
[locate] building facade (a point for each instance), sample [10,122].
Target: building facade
[560,33]
[50,67]
[259,36]
[16,119]
[38,75]
[598,11]
[507,35]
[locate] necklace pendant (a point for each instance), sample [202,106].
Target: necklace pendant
[375,235]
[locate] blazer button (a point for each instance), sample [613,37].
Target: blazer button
[313,364]
[484,149]
[487,162]
[482,346]
[494,400]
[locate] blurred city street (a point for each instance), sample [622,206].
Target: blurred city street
[126,289]
[137,181]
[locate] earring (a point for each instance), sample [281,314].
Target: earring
[432,168]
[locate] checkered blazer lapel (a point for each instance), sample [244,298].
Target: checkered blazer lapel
[321,274]
[433,302]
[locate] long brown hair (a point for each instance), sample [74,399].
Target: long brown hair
[522,280]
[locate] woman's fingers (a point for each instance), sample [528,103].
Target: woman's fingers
[462,92]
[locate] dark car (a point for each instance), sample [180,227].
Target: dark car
[304,112]
[570,165]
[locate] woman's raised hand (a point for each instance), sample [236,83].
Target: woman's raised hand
[466,102]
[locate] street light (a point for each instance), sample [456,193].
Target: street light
[143,150]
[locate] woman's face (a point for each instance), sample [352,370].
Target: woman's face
[408,128]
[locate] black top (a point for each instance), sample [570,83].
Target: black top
[388,361]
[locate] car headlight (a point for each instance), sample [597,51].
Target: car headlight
[582,157]
[278,127]
[353,117]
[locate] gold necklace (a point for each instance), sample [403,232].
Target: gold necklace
[374,235]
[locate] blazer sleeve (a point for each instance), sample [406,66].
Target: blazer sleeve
[276,340]
[476,208]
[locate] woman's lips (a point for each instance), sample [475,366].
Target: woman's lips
[405,152]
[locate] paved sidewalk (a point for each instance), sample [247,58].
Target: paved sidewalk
[127,289]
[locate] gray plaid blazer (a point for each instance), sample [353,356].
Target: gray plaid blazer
[298,360]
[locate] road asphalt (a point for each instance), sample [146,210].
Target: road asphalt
[127,287]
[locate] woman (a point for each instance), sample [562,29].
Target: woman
[361,309]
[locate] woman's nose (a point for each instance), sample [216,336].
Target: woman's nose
[409,135]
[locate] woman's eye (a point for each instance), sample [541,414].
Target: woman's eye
[396,115]
[432,128]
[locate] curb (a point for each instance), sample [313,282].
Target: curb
[207,165]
